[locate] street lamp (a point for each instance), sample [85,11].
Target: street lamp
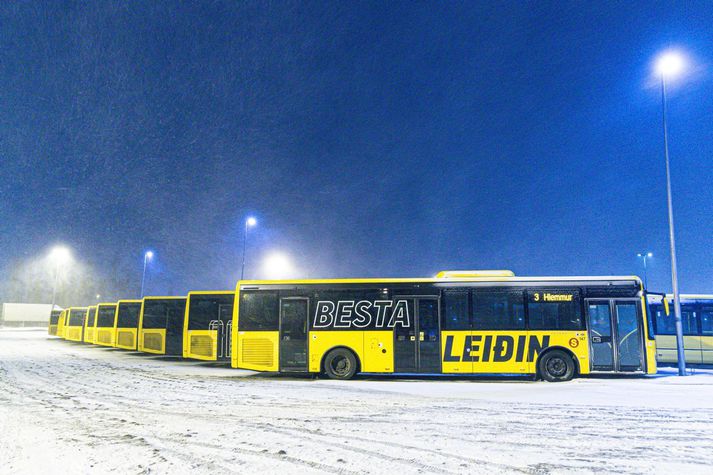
[645,255]
[249,223]
[148,255]
[59,256]
[668,65]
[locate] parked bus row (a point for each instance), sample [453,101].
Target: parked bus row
[459,322]
[158,325]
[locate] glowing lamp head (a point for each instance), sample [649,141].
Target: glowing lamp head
[251,221]
[60,255]
[149,255]
[670,64]
[650,254]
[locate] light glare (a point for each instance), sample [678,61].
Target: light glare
[670,64]
[149,255]
[251,221]
[277,266]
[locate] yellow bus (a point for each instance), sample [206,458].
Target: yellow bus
[60,323]
[74,324]
[90,324]
[697,322]
[460,322]
[127,324]
[161,325]
[54,319]
[106,322]
[208,324]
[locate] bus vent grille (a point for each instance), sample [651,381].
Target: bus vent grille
[89,335]
[74,334]
[202,345]
[53,330]
[257,351]
[125,339]
[153,341]
[104,336]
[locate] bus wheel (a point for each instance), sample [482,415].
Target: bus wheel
[340,363]
[556,366]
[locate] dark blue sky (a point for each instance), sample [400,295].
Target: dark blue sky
[370,139]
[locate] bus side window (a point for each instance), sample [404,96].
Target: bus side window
[664,323]
[201,311]
[176,310]
[707,321]
[455,310]
[258,311]
[498,310]
[553,309]
[689,319]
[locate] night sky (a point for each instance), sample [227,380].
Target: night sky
[369,139]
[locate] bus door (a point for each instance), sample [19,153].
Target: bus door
[223,325]
[417,345]
[615,335]
[225,314]
[293,334]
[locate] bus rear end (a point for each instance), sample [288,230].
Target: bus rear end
[74,327]
[90,326]
[208,325]
[106,321]
[161,325]
[127,324]
[54,319]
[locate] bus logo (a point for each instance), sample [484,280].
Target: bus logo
[346,314]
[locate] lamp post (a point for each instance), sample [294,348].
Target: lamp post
[58,256]
[249,223]
[645,255]
[668,65]
[148,255]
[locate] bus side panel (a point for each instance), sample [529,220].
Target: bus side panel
[572,340]
[320,342]
[497,352]
[455,356]
[258,350]
[60,325]
[707,349]
[650,343]
[692,344]
[52,330]
[378,352]
[89,335]
[201,345]
[666,349]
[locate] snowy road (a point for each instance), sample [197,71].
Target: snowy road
[70,408]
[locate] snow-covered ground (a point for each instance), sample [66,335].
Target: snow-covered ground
[70,408]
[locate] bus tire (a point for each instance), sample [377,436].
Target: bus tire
[340,363]
[556,366]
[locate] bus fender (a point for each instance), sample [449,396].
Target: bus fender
[354,352]
[557,347]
